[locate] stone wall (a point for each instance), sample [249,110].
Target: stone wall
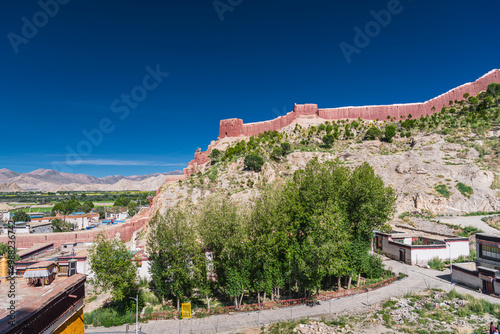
[200,158]
[467,277]
[235,127]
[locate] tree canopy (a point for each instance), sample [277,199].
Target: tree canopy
[21,216]
[72,205]
[178,263]
[253,161]
[317,225]
[110,261]
[60,225]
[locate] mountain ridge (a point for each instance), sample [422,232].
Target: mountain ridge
[51,180]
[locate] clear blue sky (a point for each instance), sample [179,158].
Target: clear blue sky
[251,60]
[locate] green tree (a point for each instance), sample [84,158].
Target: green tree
[110,261]
[66,207]
[215,155]
[4,250]
[390,132]
[319,232]
[21,216]
[253,161]
[60,225]
[329,207]
[267,228]
[373,133]
[100,210]
[223,231]
[132,208]
[328,139]
[178,263]
[90,204]
[286,147]
[122,201]
[83,208]
[277,154]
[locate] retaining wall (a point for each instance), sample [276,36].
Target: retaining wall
[126,230]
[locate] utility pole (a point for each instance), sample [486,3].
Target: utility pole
[136,313]
[451,264]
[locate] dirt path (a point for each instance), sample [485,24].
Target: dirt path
[474,221]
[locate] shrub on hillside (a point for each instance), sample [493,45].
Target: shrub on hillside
[277,154]
[215,155]
[390,132]
[464,189]
[286,147]
[328,139]
[253,161]
[436,263]
[442,189]
[373,133]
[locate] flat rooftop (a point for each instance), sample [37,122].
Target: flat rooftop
[400,232]
[56,253]
[30,299]
[35,248]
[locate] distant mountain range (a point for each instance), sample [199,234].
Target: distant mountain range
[52,180]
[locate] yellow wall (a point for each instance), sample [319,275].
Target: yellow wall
[74,325]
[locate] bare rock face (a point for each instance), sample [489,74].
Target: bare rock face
[10,187]
[403,168]
[416,168]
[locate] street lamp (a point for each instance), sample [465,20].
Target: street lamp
[136,313]
[451,264]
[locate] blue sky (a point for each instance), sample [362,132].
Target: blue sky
[190,64]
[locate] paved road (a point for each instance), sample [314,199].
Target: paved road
[418,279]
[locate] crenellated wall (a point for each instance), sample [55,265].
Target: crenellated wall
[235,127]
[200,158]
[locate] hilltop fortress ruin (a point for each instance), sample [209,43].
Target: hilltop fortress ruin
[235,127]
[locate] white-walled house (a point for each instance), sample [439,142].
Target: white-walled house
[417,248]
[483,274]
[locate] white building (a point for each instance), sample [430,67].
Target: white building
[5,216]
[117,216]
[483,274]
[418,247]
[19,228]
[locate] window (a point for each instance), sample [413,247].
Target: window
[489,252]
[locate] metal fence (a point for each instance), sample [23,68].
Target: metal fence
[200,313]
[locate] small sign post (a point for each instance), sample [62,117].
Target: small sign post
[186,310]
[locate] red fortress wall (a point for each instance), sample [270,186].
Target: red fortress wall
[235,127]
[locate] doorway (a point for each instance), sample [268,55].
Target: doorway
[488,287]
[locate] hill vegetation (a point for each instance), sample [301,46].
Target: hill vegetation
[294,237]
[474,115]
[461,139]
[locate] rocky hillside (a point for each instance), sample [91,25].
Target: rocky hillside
[9,187]
[52,180]
[446,163]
